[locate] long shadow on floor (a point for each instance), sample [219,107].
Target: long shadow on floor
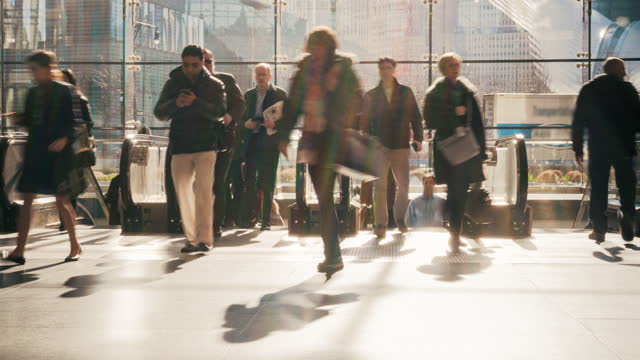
[453,267]
[238,238]
[633,247]
[526,244]
[9,279]
[132,274]
[289,309]
[33,239]
[377,248]
[612,257]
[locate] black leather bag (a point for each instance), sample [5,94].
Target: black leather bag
[226,136]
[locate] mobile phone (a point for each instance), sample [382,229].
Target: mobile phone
[185,92]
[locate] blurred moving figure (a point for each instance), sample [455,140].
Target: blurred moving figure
[48,161]
[390,113]
[608,107]
[326,90]
[427,209]
[452,110]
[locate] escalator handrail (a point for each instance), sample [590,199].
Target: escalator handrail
[522,168]
[125,164]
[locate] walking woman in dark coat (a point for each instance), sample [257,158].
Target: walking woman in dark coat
[48,159]
[84,157]
[445,110]
[326,90]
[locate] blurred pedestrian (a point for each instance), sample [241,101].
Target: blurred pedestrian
[48,160]
[326,90]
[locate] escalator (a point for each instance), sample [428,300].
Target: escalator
[143,197]
[91,207]
[507,182]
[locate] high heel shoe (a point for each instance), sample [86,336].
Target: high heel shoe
[73,258]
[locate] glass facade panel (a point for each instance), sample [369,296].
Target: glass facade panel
[122,53]
[508,29]
[367,28]
[76,30]
[615,29]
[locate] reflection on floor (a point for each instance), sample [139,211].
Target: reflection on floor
[556,295]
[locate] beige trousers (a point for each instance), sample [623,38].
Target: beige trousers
[193,176]
[398,161]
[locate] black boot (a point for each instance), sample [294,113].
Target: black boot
[331,266]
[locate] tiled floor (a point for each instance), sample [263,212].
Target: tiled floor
[257,296]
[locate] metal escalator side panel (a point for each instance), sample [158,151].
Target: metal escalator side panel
[125,165]
[523,175]
[4,199]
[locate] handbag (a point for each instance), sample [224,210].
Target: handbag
[83,147]
[225,135]
[462,146]
[360,157]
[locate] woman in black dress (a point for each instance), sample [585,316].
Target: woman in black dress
[450,104]
[48,155]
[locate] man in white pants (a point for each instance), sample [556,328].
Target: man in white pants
[195,103]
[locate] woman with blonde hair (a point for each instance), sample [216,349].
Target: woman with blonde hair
[452,110]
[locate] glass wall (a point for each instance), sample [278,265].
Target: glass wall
[124,50]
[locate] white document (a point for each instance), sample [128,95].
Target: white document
[274,112]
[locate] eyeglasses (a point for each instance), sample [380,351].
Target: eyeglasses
[208,61]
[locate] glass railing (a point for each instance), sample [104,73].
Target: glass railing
[551,166]
[142,165]
[91,204]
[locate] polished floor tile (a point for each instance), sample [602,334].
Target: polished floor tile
[257,295]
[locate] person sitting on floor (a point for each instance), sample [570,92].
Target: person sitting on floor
[427,209]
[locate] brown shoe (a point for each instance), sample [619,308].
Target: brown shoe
[598,237]
[380,231]
[402,227]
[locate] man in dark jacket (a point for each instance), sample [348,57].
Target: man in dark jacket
[235,108]
[609,108]
[195,102]
[262,152]
[390,112]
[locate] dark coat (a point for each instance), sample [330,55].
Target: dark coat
[609,108]
[342,104]
[236,106]
[196,128]
[273,95]
[439,114]
[49,116]
[235,100]
[391,122]
[84,156]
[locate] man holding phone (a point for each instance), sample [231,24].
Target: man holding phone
[195,102]
[390,112]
